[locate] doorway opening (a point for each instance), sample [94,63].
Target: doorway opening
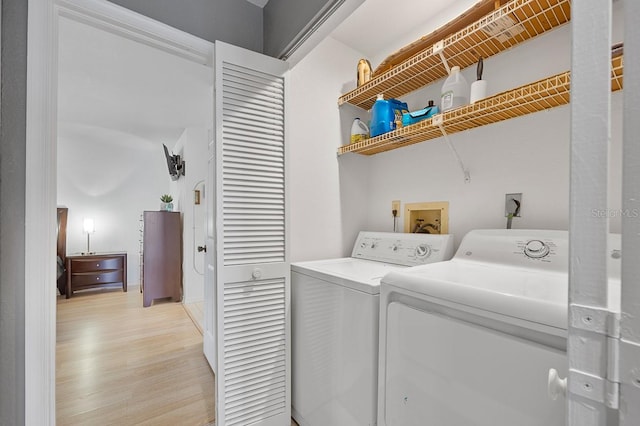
[42,149]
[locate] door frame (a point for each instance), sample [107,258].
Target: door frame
[41,169]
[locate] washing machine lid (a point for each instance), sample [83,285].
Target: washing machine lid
[531,295]
[358,274]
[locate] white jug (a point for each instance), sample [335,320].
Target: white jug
[359,131]
[455,91]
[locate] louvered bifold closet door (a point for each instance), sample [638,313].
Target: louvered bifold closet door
[252,272]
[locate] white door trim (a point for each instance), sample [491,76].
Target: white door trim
[587,344]
[118,20]
[630,327]
[40,170]
[40,217]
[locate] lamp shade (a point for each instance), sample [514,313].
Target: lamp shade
[88,225]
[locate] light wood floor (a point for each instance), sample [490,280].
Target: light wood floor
[118,363]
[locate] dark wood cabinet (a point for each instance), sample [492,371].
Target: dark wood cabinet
[161,256]
[96,270]
[62,250]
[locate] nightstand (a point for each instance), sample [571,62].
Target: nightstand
[96,270]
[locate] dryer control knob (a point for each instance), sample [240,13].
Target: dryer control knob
[536,249]
[423,250]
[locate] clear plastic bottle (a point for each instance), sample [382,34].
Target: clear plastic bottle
[455,91]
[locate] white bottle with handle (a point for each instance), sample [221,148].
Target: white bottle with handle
[455,91]
[359,131]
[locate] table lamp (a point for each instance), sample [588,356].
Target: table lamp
[89,228]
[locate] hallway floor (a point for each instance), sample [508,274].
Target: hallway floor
[118,363]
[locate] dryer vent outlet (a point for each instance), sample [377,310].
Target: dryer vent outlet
[513,204]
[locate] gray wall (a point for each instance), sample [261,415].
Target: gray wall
[285,19]
[236,22]
[13,64]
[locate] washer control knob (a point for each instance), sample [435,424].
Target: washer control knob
[374,245]
[394,247]
[536,249]
[423,250]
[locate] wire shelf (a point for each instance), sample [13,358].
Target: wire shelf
[513,23]
[538,96]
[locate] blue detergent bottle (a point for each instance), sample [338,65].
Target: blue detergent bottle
[385,114]
[413,117]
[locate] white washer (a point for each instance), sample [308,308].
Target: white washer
[470,342]
[335,308]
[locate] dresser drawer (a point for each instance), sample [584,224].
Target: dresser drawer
[93,278]
[97,270]
[96,264]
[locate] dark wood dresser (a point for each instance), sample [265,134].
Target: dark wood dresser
[96,270]
[161,256]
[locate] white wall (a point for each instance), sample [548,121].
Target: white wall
[334,198]
[192,147]
[325,193]
[529,154]
[112,177]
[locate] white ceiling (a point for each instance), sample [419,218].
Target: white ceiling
[110,83]
[380,27]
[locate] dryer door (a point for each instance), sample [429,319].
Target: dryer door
[440,370]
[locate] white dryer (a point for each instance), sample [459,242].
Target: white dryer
[470,342]
[335,309]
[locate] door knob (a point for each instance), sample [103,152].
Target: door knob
[202,248]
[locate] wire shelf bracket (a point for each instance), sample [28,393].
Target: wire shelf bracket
[438,121]
[438,49]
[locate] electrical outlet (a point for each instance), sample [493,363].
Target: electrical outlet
[395,206]
[513,204]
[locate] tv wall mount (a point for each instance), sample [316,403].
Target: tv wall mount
[175,164]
